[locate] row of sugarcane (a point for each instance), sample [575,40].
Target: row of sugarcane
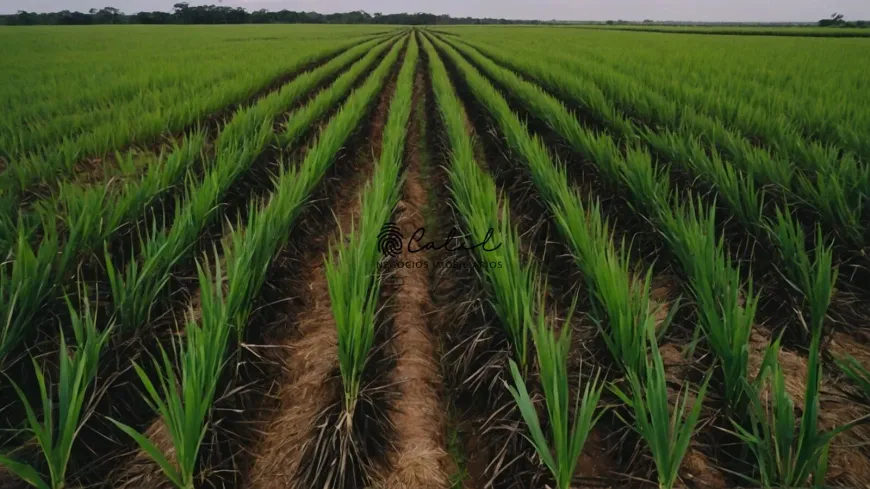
[517,295]
[713,281]
[352,265]
[182,389]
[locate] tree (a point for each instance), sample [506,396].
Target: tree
[181,11]
[106,15]
[835,20]
[24,17]
[65,17]
[151,18]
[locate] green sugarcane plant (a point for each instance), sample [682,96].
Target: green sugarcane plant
[856,372]
[690,230]
[788,451]
[351,268]
[184,400]
[838,196]
[725,317]
[64,415]
[65,127]
[354,294]
[136,287]
[562,451]
[22,287]
[786,456]
[814,278]
[486,216]
[512,285]
[667,435]
[624,301]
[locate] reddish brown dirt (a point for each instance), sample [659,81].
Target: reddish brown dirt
[849,458]
[420,459]
[661,294]
[697,472]
[677,367]
[848,462]
[475,463]
[453,312]
[91,170]
[794,366]
[856,344]
[594,461]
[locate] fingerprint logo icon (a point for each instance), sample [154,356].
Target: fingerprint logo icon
[390,240]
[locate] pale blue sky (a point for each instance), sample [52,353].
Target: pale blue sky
[699,10]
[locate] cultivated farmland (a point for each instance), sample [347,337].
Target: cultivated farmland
[457,257]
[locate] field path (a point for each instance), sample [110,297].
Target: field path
[420,459]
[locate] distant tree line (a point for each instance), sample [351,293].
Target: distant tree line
[184,13]
[837,20]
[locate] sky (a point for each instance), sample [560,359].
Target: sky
[681,10]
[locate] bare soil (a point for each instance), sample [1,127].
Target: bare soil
[419,459]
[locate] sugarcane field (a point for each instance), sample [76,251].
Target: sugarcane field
[333,254]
